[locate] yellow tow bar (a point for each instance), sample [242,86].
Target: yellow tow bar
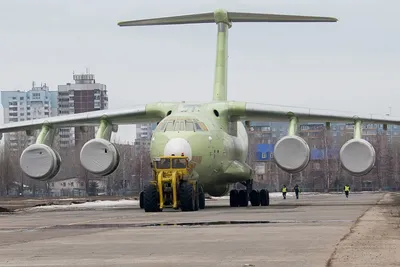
[160,181]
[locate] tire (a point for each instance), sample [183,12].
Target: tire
[196,197]
[141,200]
[150,198]
[234,198]
[186,197]
[243,198]
[202,200]
[264,197]
[255,198]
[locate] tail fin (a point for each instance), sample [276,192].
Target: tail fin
[224,21]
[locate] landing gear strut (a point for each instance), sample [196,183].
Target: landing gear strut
[240,198]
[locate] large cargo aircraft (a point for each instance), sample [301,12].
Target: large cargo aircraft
[213,135]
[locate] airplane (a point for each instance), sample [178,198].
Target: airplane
[213,135]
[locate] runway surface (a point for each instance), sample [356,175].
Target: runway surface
[311,231]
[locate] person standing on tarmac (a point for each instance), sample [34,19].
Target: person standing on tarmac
[284,190]
[347,190]
[296,190]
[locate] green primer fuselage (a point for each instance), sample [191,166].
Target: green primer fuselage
[219,149]
[219,145]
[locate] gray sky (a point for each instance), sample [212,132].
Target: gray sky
[349,65]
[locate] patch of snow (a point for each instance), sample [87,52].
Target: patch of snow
[89,205]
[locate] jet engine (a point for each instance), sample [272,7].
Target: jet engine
[357,156]
[292,154]
[40,162]
[99,156]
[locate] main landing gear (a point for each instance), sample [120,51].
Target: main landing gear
[240,198]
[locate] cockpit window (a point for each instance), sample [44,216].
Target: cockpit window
[181,124]
[189,126]
[160,127]
[170,126]
[198,128]
[203,126]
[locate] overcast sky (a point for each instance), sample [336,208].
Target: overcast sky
[353,64]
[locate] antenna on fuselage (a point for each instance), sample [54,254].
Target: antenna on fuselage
[224,21]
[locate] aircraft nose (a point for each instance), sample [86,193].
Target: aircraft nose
[177,146]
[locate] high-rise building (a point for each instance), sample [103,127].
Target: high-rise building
[37,103]
[82,96]
[143,135]
[144,131]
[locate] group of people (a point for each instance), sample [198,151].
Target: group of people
[296,190]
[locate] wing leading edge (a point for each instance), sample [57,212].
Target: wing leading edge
[267,113]
[137,114]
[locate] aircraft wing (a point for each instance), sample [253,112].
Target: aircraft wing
[266,112]
[137,114]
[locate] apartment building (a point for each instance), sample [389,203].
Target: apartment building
[36,103]
[84,95]
[144,132]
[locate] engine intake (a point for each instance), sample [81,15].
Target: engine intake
[40,162]
[292,154]
[357,157]
[99,157]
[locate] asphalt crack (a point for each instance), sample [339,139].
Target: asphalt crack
[92,225]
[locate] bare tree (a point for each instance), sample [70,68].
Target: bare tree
[395,149]
[7,178]
[81,137]
[143,171]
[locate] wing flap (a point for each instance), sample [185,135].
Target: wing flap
[269,113]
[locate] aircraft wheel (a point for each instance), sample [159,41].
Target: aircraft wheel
[197,197]
[255,198]
[202,199]
[150,198]
[264,197]
[141,199]
[234,198]
[243,198]
[187,197]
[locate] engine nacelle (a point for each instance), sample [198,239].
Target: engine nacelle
[40,162]
[99,157]
[292,154]
[217,190]
[357,157]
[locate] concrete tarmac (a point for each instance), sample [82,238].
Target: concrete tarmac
[304,232]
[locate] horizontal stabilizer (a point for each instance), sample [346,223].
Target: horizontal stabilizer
[185,19]
[253,17]
[221,15]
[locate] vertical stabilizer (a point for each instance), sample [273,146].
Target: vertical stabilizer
[224,21]
[220,92]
